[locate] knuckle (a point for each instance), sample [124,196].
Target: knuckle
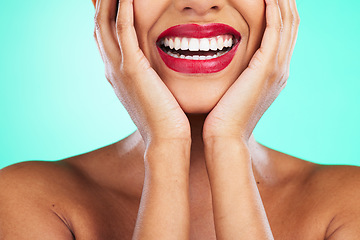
[121,26]
[273,74]
[274,71]
[98,20]
[284,80]
[288,17]
[280,27]
[285,76]
[283,85]
[270,71]
[282,77]
[257,61]
[128,72]
[108,76]
[125,70]
[295,21]
[111,77]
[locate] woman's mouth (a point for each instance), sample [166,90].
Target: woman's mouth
[192,48]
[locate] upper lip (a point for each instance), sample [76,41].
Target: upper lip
[199,31]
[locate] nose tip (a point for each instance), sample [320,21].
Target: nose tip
[199,7]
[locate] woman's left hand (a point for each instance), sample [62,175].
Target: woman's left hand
[239,110]
[237,205]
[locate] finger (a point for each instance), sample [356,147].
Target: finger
[126,33]
[269,47]
[252,79]
[287,34]
[105,28]
[135,65]
[295,29]
[248,91]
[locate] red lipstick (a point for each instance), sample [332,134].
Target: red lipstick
[186,59]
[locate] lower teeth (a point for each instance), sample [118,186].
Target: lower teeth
[197,57]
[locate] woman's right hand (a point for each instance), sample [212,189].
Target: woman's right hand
[159,118]
[149,102]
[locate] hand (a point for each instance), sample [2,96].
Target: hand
[150,104]
[240,109]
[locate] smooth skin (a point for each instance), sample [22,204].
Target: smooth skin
[185,174]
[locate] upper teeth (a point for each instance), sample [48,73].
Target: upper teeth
[198,44]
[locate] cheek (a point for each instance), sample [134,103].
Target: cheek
[253,12]
[146,15]
[145,11]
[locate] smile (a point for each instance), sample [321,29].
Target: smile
[192,48]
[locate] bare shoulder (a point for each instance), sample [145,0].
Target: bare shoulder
[34,171]
[48,200]
[28,194]
[39,179]
[63,199]
[48,182]
[326,196]
[338,187]
[341,181]
[336,184]
[329,180]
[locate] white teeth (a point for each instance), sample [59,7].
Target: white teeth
[220,43]
[172,54]
[171,43]
[226,42]
[204,44]
[194,44]
[213,44]
[184,43]
[166,42]
[196,57]
[177,43]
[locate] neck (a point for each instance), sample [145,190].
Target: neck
[197,144]
[259,153]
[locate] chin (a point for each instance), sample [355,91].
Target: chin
[197,109]
[199,94]
[197,102]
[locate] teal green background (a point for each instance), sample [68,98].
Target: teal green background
[55,101]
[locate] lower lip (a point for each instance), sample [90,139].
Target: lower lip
[198,66]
